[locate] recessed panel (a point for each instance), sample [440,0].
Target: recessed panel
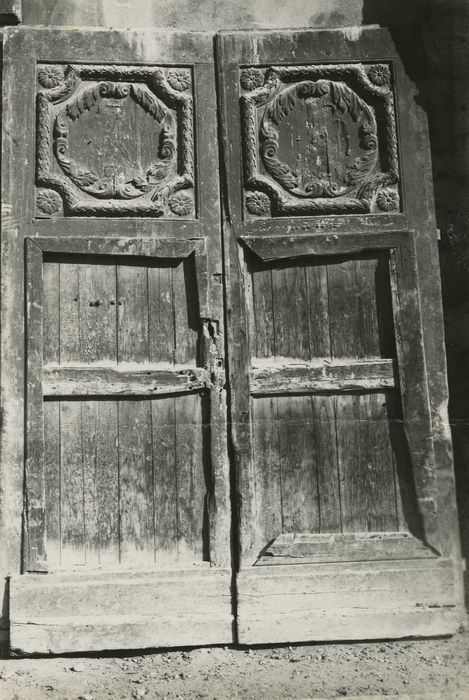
[319,139]
[115,140]
[123,311]
[321,308]
[125,481]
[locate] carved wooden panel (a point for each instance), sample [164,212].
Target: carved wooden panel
[115,140]
[319,139]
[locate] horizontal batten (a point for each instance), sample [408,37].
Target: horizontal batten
[115,381]
[297,378]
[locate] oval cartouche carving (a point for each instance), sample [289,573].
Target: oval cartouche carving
[318,139]
[115,140]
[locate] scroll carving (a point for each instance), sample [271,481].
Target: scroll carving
[97,179]
[319,139]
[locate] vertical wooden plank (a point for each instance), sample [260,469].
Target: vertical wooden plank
[70,340]
[185,314]
[107,482]
[325,443]
[191,486]
[165,478]
[89,421]
[97,303]
[34,521]
[375,495]
[263,341]
[52,482]
[51,312]
[136,508]
[408,516]
[291,325]
[318,310]
[413,382]
[344,309]
[300,506]
[384,312]
[348,455]
[132,314]
[161,314]
[71,485]
[368,317]
[267,475]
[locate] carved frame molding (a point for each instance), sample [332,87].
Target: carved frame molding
[261,86]
[138,197]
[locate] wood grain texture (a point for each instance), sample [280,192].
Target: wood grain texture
[85,612]
[80,319]
[147,380]
[364,600]
[297,548]
[294,378]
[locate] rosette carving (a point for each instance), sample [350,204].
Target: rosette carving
[110,185]
[315,138]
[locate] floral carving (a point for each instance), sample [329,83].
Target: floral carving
[251,78]
[180,203]
[135,187]
[346,149]
[379,74]
[48,202]
[51,76]
[257,203]
[387,199]
[179,79]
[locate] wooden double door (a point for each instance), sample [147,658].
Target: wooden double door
[224,407]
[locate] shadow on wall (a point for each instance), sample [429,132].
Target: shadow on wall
[438,62]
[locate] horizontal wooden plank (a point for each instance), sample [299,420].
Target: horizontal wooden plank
[87,380]
[295,548]
[331,625]
[64,613]
[124,632]
[143,247]
[269,248]
[294,378]
[331,225]
[358,600]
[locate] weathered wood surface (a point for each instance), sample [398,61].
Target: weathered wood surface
[297,378]
[120,610]
[270,248]
[297,548]
[331,457]
[135,470]
[323,289]
[115,381]
[340,601]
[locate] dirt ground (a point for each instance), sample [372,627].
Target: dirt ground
[434,669]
